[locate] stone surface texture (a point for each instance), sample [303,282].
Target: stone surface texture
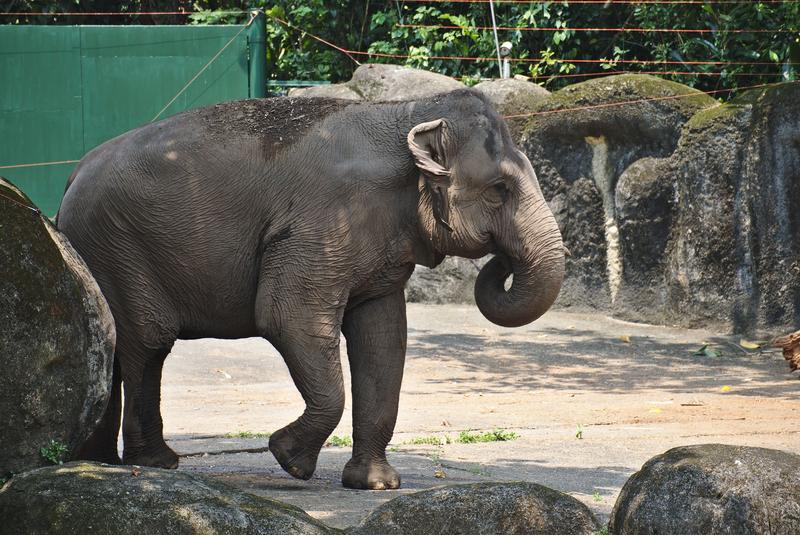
[482,509]
[579,156]
[56,338]
[86,498]
[712,489]
[676,209]
[513,97]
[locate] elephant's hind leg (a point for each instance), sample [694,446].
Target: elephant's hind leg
[144,339]
[101,445]
[142,426]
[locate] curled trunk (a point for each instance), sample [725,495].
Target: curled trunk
[538,270]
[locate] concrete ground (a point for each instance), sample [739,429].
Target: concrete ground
[590,397]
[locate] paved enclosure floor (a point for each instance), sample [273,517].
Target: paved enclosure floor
[589,407]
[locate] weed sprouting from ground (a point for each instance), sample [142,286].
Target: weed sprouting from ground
[432,440]
[339,442]
[596,497]
[247,434]
[464,437]
[55,451]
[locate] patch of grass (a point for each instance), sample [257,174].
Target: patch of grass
[247,434]
[498,435]
[603,531]
[55,451]
[596,497]
[432,440]
[339,442]
[464,437]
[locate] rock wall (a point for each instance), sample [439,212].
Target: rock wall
[694,199]
[56,338]
[676,209]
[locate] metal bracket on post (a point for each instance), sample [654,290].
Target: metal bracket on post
[505,52]
[257,45]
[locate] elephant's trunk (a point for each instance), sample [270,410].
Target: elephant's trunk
[531,249]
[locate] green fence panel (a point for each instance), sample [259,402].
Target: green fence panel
[68,89]
[40,108]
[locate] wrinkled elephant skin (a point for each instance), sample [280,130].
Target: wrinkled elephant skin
[297,220]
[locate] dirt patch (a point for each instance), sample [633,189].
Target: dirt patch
[566,376]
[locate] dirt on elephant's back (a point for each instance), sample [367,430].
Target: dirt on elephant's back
[279,122]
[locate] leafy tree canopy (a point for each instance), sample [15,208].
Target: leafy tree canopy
[411,33]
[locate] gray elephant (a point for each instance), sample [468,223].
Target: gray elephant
[296,220]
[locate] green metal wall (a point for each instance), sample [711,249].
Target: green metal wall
[66,89]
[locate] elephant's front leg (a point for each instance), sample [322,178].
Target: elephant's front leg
[308,339]
[376,346]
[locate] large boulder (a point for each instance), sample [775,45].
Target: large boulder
[712,489]
[341,91]
[84,498]
[734,254]
[580,140]
[56,338]
[379,82]
[482,508]
[511,97]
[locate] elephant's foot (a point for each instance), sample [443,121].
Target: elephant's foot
[367,473]
[292,453]
[163,457]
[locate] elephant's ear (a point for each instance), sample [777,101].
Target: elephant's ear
[427,142]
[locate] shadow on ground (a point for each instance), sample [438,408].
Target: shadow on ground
[563,358]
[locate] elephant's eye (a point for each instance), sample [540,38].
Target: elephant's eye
[499,191]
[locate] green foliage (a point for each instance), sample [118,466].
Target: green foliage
[247,434]
[339,442]
[553,58]
[55,451]
[432,440]
[498,435]
[464,437]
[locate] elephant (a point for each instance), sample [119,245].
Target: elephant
[299,220]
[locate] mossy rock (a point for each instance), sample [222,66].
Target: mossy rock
[735,247]
[482,508]
[57,335]
[86,498]
[712,489]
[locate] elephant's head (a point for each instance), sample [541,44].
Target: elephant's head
[478,195]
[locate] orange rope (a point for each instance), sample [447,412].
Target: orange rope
[112,14]
[606,2]
[616,30]
[320,39]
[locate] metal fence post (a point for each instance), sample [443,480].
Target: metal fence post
[257,43]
